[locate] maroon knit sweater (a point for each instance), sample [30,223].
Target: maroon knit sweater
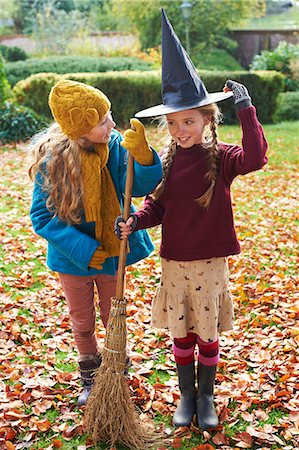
[190,232]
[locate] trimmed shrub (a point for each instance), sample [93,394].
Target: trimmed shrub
[18,123]
[13,53]
[283,59]
[4,86]
[71,64]
[126,91]
[263,86]
[287,107]
[130,92]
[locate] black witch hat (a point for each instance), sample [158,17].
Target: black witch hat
[182,88]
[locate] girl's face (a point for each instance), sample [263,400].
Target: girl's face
[186,127]
[100,134]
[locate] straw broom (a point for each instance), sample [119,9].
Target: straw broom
[110,415]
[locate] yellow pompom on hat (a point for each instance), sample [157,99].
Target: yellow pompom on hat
[77,107]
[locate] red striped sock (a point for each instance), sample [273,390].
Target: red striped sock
[208,352]
[183,349]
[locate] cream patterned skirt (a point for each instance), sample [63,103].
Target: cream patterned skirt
[193,297]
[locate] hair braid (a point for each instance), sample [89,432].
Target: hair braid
[167,160]
[211,175]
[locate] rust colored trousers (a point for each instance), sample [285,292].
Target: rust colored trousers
[79,294]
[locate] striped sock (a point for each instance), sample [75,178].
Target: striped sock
[183,349]
[208,352]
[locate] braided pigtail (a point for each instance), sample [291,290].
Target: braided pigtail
[213,156]
[167,160]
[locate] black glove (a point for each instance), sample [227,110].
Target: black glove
[241,96]
[117,229]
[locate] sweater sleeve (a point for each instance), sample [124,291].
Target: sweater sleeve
[146,178]
[251,156]
[150,215]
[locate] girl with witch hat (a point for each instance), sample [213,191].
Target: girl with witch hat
[193,204]
[79,171]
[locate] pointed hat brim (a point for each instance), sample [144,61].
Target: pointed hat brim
[160,110]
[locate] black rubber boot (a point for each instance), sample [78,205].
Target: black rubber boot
[186,408]
[88,368]
[205,410]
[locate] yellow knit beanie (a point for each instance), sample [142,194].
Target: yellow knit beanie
[77,107]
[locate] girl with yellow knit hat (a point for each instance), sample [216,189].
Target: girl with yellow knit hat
[79,171]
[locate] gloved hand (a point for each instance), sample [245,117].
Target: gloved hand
[98,258]
[135,142]
[122,229]
[241,96]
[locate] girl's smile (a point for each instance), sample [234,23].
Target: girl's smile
[186,127]
[100,134]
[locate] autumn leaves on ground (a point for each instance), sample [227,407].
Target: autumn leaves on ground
[257,382]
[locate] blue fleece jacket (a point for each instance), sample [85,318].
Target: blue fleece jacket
[70,247]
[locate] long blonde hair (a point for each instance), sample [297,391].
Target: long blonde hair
[210,143]
[58,159]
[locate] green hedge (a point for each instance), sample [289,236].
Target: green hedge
[130,92]
[263,86]
[4,86]
[13,53]
[18,123]
[126,90]
[287,107]
[20,70]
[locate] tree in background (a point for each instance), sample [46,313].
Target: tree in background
[55,24]
[24,11]
[6,9]
[53,27]
[88,6]
[102,18]
[209,24]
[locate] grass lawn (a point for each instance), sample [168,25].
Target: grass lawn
[257,382]
[287,20]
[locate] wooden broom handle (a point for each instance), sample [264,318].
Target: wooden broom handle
[120,281]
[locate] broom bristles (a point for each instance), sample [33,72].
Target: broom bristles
[110,415]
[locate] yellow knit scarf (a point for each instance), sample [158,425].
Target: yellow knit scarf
[100,200]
